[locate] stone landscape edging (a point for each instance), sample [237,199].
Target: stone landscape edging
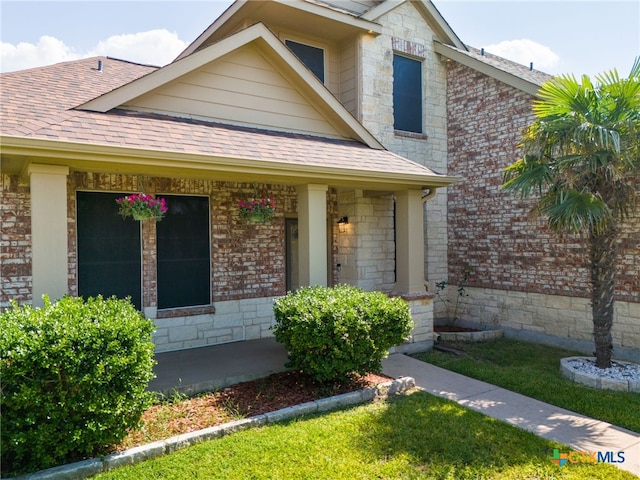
[94,466]
[594,381]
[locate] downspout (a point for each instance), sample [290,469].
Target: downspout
[430,192]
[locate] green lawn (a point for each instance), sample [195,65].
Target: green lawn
[534,370]
[414,436]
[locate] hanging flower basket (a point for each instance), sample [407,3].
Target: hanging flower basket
[261,210]
[140,206]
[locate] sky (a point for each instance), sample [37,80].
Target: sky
[559,37]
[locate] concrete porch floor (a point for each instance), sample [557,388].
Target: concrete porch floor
[217,366]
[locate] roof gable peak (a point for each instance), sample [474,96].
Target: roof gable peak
[264,47]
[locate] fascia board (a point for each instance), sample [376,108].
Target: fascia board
[361,23]
[442,27]
[489,70]
[109,157]
[443,30]
[235,9]
[217,23]
[170,72]
[381,9]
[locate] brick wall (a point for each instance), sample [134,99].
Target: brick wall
[15,241]
[491,231]
[247,258]
[524,277]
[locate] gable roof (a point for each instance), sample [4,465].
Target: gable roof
[325,19]
[506,71]
[280,58]
[428,11]
[339,17]
[40,124]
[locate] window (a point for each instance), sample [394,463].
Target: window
[407,94]
[184,257]
[109,249]
[312,57]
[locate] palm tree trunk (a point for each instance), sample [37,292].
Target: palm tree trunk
[603,273]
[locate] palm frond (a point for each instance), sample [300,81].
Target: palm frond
[528,174]
[572,210]
[581,153]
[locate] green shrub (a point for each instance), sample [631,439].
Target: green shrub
[333,333]
[74,376]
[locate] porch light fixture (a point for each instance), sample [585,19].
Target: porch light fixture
[342,224]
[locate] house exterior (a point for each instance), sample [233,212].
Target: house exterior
[524,278]
[359,109]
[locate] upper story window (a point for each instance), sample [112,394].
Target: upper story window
[312,57]
[407,94]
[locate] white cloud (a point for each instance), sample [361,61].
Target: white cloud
[48,50]
[155,47]
[525,51]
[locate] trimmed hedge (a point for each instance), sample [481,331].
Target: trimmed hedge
[332,333]
[74,378]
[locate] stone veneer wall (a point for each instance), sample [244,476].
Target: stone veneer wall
[524,276]
[366,246]
[15,241]
[406,31]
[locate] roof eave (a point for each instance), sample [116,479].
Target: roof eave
[235,12]
[110,158]
[505,77]
[258,32]
[442,29]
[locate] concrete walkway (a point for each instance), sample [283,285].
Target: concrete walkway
[581,433]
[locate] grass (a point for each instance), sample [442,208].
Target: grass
[415,436]
[534,370]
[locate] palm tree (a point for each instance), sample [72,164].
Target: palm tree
[581,158]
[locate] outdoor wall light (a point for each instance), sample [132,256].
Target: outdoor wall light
[342,224]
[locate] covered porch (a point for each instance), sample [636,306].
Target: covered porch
[217,366]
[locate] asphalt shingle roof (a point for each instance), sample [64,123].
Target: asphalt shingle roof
[534,76]
[40,103]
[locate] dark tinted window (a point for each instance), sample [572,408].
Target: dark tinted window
[407,94]
[184,277]
[312,57]
[109,253]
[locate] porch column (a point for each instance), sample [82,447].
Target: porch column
[49,237]
[312,234]
[409,242]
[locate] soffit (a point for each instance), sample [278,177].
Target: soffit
[311,19]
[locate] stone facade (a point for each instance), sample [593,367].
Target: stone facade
[523,276]
[407,32]
[366,246]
